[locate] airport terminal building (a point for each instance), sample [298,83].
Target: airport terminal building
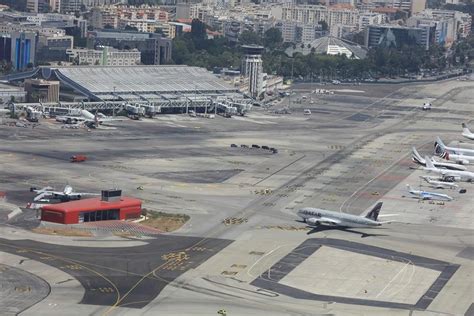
[92,210]
[163,89]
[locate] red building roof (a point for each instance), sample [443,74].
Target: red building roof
[92,204]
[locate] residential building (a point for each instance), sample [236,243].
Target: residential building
[313,14]
[67,6]
[462,21]
[342,31]
[105,56]
[155,49]
[297,32]
[417,6]
[370,18]
[38,5]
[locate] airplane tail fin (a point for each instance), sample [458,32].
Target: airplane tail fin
[416,157]
[439,147]
[429,163]
[374,212]
[465,129]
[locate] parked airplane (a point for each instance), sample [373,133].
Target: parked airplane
[86,118]
[416,157]
[314,217]
[424,195]
[466,132]
[454,174]
[459,159]
[440,148]
[448,153]
[439,184]
[66,195]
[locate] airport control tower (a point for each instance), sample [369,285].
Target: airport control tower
[252,68]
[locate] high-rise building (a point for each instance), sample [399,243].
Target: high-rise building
[297,32]
[37,5]
[252,68]
[106,56]
[5,47]
[43,5]
[417,6]
[155,49]
[397,36]
[23,48]
[370,18]
[70,6]
[313,14]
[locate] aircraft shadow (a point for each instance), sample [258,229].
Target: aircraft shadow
[322,228]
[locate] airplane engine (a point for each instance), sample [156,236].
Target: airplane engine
[462,162]
[312,221]
[32,189]
[451,178]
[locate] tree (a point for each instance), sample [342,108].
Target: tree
[130,28]
[272,38]
[249,38]
[6,67]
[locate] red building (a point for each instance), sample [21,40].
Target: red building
[92,210]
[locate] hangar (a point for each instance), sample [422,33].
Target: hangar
[92,210]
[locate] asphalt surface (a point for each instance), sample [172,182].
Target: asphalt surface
[350,153]
[130,277]
[310,246]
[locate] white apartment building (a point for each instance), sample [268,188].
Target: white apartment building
[297,32]
[450,25]
[370,18]
[313,14]
[105,57]
[463,21]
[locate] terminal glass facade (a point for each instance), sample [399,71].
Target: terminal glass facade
[95,216]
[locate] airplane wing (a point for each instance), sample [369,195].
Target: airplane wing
[328,221]
[76,194]
[41,195]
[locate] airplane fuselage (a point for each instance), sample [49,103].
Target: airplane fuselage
[462,175]
[423,195]
[468,135]
[442,185]
[315,216]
